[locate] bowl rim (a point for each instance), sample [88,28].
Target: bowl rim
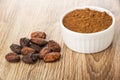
[92,8]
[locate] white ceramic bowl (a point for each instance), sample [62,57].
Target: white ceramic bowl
[88,42]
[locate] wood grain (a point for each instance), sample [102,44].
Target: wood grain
[18,18]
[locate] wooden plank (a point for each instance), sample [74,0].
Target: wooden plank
[18,18]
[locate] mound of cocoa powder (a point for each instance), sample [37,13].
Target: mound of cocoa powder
[87,21]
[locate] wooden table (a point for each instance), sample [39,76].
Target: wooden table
[18,18]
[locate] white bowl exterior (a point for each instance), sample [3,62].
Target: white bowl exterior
[88,44]
[91,42]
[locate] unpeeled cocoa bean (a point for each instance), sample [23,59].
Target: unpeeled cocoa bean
[55,47]
[44,51]
[27,50]
[51,57]
[35,57]
[12,57]
[24,42]
[36,47]
[39,41]
[16,48]
[30,58]
[38,34]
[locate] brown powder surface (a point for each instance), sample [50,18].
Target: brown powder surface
[87,21]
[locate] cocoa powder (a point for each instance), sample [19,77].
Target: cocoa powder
[87,21]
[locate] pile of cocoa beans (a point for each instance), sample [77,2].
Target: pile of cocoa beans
[34,49]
